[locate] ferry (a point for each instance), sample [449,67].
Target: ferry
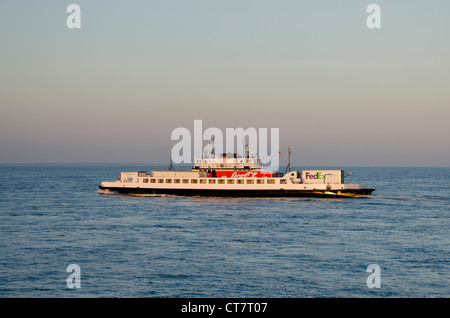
[229,176]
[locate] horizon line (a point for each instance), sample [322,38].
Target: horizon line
[5,164]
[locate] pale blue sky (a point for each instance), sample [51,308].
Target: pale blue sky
[113,91]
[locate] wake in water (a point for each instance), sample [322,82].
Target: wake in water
[389,197]
[148,195]
[400,198]
[108,192]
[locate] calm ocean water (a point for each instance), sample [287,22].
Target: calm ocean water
[125,246]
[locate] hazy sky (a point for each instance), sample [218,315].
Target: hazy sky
[113,91]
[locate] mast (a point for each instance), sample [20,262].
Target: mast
[289,158]
[170,163]
[288,167]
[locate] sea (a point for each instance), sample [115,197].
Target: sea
[60,237]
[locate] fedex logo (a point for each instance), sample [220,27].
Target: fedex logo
[317,175]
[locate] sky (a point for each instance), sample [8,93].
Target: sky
[114,90]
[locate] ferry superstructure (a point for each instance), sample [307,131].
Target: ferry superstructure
[236,177]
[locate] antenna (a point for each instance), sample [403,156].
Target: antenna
[170,164]
[213,153]
[289,158]
[288,167]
